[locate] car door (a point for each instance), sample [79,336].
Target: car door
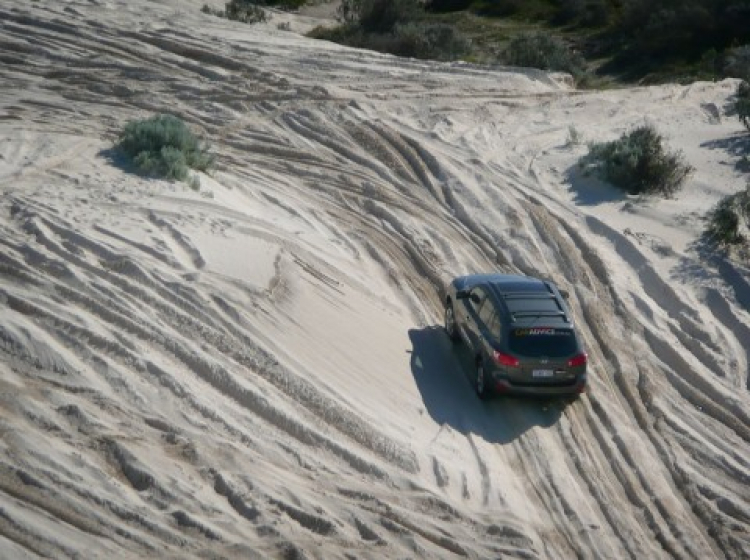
[471,320]
[488,326]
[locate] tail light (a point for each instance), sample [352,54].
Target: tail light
[579,360]
[505,359]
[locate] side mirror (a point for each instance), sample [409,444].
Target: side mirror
[462,294]
[475,298]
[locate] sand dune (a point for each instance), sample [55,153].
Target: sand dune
[257,369]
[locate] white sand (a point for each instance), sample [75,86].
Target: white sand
[257,370]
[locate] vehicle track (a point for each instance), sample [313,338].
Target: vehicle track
[244,445]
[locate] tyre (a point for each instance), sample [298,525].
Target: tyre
[480,381]
[450,323]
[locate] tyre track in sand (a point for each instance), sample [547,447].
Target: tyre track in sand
[429,271]
[146,289]
[152,411]
[663,512]
[665,526]
[186,316]
[619,454]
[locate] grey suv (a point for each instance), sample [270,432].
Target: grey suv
[520,333]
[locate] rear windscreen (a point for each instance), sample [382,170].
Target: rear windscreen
[536,342]
[523,305]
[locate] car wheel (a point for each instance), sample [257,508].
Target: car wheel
[450,323]
[480,382]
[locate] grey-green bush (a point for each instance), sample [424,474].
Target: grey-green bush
[729,218]
[638,163]
[546,52]
[288,5]
[434,41]
[164,146]
[588,13]
[396,27]
[378,16]
[245,11]
[737,62]
[742,105]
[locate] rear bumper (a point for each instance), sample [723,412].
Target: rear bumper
[504,386]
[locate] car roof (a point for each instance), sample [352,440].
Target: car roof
[508,282]
[526,300]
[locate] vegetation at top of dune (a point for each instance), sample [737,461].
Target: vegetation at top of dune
[283,4]
[651,40]
[742,103]
[738,63]
[624,40]
[729,220]
[544,51]
[164,146]
[239,10]
[399,27]
[378,16]
[638,163]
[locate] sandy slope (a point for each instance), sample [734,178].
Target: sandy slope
[257,369]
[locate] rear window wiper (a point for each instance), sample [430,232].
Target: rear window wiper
[538,314]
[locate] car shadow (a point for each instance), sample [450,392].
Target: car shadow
[443,372]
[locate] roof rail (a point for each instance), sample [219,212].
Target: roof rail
[526,295]
[538,313]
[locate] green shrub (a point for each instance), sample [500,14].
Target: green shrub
[737,62]
[284,4]
[342,34]
[638,163]
[394,26]
[729,218]
[433,41]
[546,52]
[421,40]
[650,35]
[163,146]
[245,11]
[378,16]
[742,105]
[499,8]
[587,13]
[442,6]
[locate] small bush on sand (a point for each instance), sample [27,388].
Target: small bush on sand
[742,105]
[378,16]
[438,41]
[417,40]
[164,146]
[245,11]
[575,138]
[288,5]
[239,10]
[546,52]
[638,163]
[394,26]
[586,13]
[737,62]
[729,221]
